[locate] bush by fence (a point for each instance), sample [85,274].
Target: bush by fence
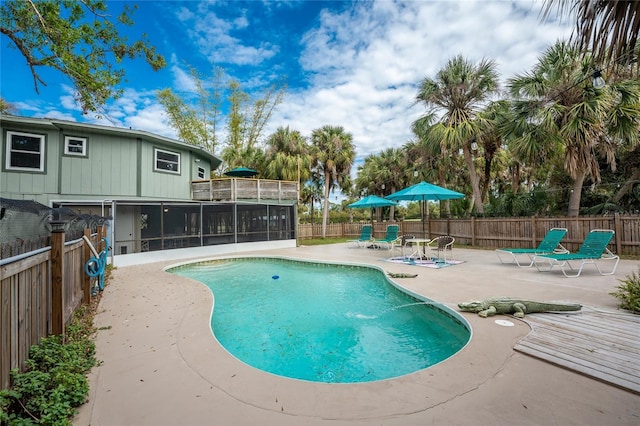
[38,295]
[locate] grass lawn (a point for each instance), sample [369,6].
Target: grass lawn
[321,241]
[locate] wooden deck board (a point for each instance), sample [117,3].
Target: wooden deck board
[600,344]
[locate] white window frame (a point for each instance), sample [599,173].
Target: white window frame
[67,151]
[166,169]
[201,172]
[9,151]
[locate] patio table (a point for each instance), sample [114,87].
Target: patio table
[419,247]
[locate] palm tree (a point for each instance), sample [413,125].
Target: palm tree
[433,161]
[609,29]
[310,193]
[383,174]
[288,156]
[454,99]
[334,153]
[557,109]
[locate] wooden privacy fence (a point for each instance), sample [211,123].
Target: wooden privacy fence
[39,292]
[516,232]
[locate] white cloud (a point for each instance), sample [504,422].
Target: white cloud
[213,37]
[366,62]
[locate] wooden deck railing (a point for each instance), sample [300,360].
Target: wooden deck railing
[39,292]
[492,233]
[242,189]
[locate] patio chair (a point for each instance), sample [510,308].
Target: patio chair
[550,244]
[401,243]
[442,244]
[365,236]
[593,249]
[391,237]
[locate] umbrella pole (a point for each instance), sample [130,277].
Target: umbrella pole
[372,233]
[424,235]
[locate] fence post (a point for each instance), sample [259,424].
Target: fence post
[617,227]
[86,279]
[101,231]
[473,231]
[533,232]
[57,277]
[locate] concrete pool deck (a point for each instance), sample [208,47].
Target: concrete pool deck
[161,364]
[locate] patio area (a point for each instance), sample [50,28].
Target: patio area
[162,366]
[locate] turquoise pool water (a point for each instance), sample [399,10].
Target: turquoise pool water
[324,322]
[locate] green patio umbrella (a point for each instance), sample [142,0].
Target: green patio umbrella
[422,192]
[241,172]
[372,202]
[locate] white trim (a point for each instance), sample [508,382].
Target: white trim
[82,153]
[169,164]
[9,151]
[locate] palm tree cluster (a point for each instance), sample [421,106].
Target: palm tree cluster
[551,142]
[322,163]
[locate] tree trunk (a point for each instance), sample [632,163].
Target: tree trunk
[311,211]
[626,187]
[447,208]
[447,203]
[475,181]
[325,211]
[576,194]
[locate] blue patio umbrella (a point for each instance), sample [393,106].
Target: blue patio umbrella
[422,192]
[371,202]
[241,172]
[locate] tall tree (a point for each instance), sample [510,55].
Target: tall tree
[311,192]
[557,109]
[610,29]
[80,40]
[383,174]
[7,107]
[288,156]
[454,99]
[199,122]
[432,161]
[334,153]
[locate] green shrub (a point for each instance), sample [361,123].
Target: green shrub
[54,382]
[628,293]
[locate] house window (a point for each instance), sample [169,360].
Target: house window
[201,172]
[75,146]
[25,151]
[167,161]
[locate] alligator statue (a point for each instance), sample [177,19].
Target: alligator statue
[517,307]
[401,275]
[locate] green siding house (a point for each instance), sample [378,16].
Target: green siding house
[144,182]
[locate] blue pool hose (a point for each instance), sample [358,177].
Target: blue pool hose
[95,266]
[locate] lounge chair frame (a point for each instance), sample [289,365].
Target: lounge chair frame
[593,250]
[391,238]
[366,236]
[550,244]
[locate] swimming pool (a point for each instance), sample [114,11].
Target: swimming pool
[324,322]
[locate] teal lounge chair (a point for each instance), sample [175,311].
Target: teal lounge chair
[365,236]
[549,245]
[593,249]
[390,237]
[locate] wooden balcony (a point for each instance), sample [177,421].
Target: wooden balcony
[243,189]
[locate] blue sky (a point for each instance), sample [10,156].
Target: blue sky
[354,64]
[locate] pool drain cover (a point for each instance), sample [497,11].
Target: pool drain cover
[505,323]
